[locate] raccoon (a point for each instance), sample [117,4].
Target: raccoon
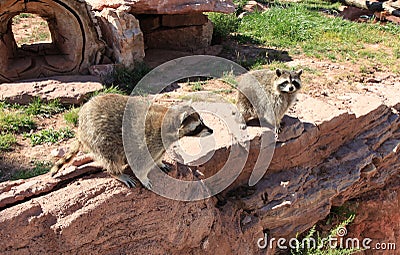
[280,87]
[100,132]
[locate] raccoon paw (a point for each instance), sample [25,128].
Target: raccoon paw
[243,126]
[165,168]
[146,183]
[127,180]
[280,127]
[277,132]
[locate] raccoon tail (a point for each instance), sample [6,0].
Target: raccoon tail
[66,158]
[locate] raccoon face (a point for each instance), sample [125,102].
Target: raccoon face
[288,81]
[192,125]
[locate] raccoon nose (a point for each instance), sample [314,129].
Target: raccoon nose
[291,88]
[206,132]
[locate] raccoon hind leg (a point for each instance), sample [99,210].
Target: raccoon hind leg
[125,179]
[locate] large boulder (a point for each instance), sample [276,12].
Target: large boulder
[67,89]
[122,33]
[168,6]
[189,38]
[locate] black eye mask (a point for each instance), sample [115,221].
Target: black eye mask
[196,131]
[283,85]
[199,128]
[296,84]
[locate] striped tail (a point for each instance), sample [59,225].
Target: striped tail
[66,158]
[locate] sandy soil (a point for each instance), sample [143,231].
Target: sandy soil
[31,29]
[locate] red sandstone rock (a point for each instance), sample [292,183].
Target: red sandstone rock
[88,33]
[195,19]
[149,23]
[252,6]
[167,7]
[122,33]
[378,218]
[352,154]
[76,42]
[68,89]
[188,38]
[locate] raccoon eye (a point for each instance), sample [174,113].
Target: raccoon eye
[188,118]
[296,84]
[283,85]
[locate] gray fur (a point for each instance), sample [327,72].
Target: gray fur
[100,131]
[280,94]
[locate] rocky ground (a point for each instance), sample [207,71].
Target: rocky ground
[344,149]
[330,82]
[342,158]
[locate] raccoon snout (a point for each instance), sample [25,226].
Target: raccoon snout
[206,131]
[200,131]
[291,88]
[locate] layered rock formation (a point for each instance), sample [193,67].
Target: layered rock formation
[329,157]
[179,32]
[87,33]
[168,6]
[67,89]
[75,46]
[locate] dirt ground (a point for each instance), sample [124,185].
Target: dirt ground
[321,78]
[30,28]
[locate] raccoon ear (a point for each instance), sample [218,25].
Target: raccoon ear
[278,72]
[183,116]
[299,72]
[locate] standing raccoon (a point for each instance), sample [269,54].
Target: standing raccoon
[100,132]
[280,87]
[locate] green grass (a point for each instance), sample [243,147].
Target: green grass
[302,28]
[71,116]
[278,65]
[7,141]
[17,19]
[322,242]
[254,64]
[197,85]
[37,36]
[109,90]
[50,136]
[36,30]
[4,105]
[38,107]
[125,79]
[229,79]
[16,119]
[15,122]
[224,24]
[26,15]
[41,167]
[223,91]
